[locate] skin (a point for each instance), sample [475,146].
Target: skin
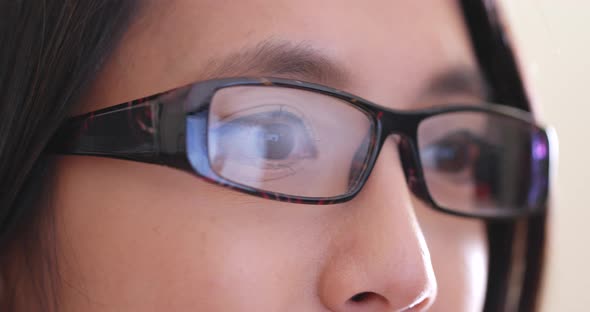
[140,237]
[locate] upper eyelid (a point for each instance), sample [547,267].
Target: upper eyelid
[309,143]
[236,117]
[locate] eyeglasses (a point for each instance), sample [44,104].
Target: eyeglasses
[304,143]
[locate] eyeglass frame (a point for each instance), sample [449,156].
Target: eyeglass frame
[70,138]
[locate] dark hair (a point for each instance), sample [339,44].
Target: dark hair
[517,247]
[50,52]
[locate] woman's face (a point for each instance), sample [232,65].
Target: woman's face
[140,237]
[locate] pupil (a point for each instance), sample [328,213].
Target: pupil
[452,157]
[276,141]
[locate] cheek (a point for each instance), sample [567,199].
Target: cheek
[134,237]
[459,251]
[126,246]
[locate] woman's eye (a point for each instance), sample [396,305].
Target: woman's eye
[453,153]
[275,139]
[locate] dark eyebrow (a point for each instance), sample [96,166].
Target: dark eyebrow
[280,58]
[458,80]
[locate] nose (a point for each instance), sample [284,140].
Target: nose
[378,260]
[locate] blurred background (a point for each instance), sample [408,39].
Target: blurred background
[553,43]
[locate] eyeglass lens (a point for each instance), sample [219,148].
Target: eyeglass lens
[287,141]
[308,144]
[477,162]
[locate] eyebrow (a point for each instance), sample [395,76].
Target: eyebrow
[459,79]
[280,58]
[300,61]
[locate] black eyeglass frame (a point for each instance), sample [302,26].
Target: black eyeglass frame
[156,147]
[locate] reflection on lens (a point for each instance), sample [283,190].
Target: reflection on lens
[481,163]
[267,143]
[287,141]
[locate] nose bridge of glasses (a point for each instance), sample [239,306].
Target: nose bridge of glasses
[402,131]
[397,122]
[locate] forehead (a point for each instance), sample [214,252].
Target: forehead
[396,45]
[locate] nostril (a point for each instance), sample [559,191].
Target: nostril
[371,299]
[360,297]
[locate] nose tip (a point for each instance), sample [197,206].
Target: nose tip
[423,301]
[374,281]
[406,298]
